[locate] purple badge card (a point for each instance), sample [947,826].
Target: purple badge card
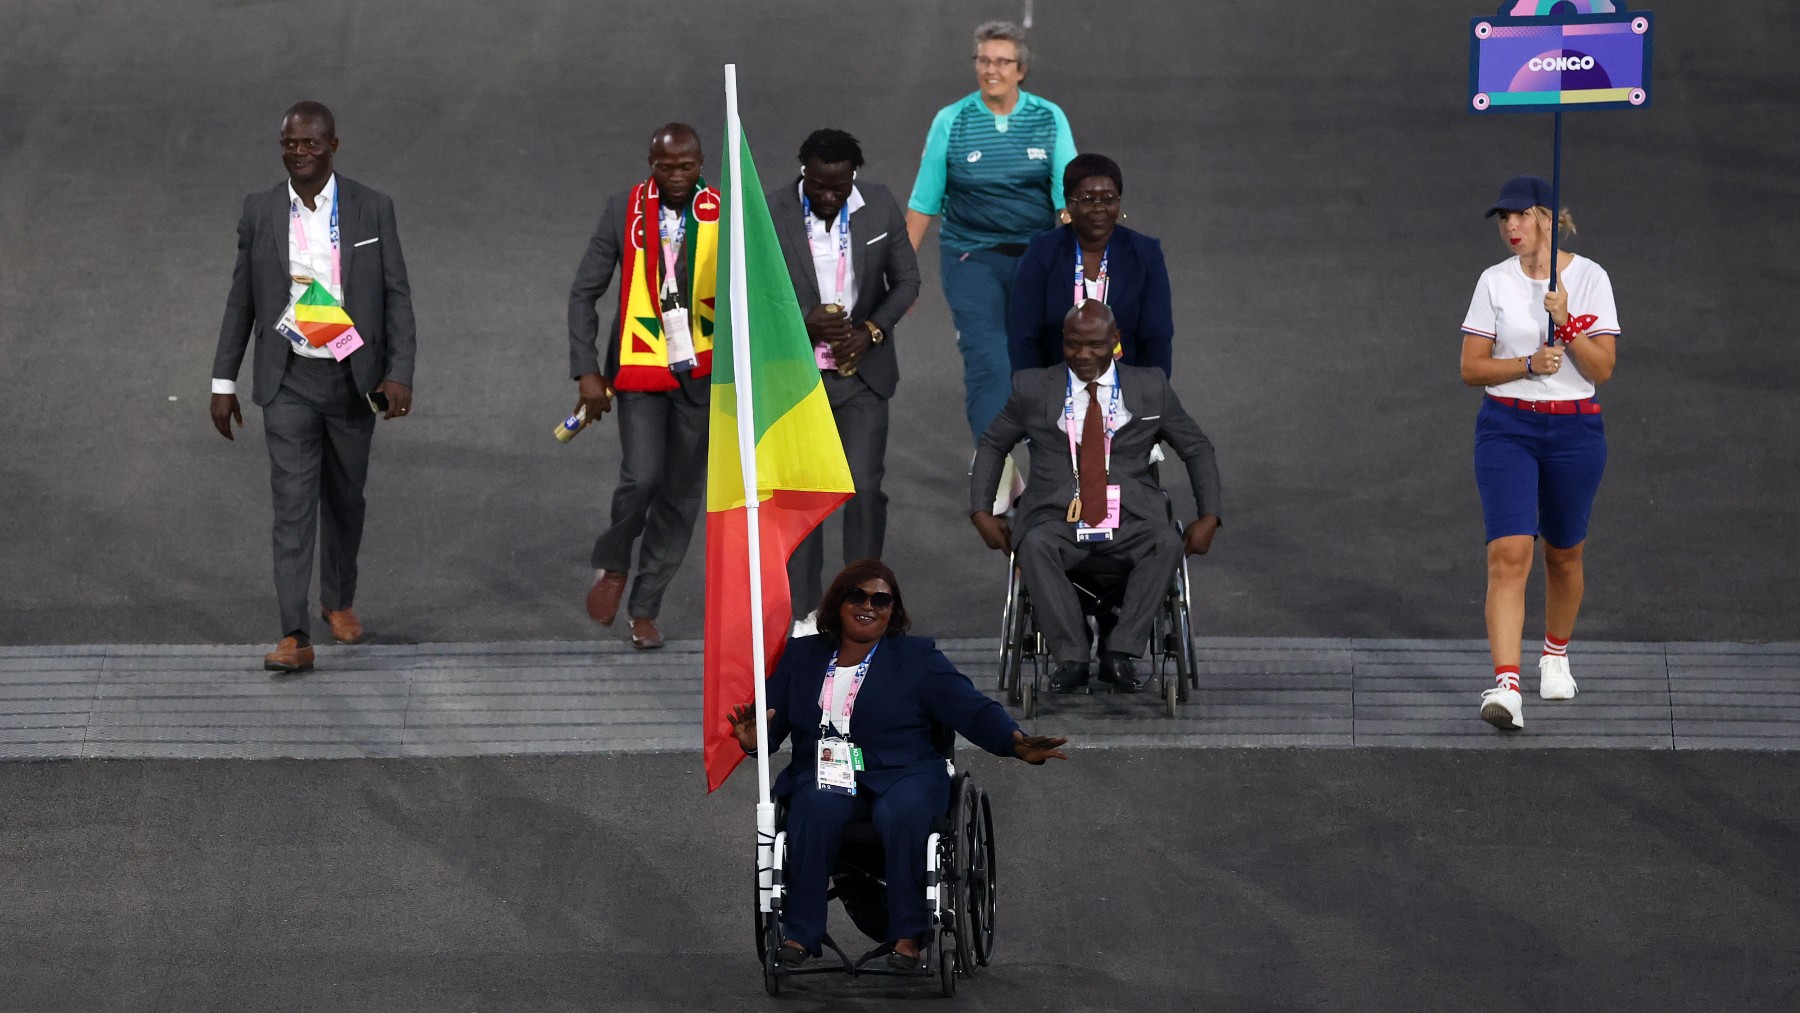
[1557,55]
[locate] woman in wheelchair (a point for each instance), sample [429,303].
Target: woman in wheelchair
[869,695]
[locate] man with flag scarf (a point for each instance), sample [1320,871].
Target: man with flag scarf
[664,233]
[322,285]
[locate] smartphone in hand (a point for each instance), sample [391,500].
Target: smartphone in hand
[378,402]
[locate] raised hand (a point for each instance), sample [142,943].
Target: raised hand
[743,725]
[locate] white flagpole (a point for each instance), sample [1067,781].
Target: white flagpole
[741,376]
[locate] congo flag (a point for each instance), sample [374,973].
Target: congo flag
[319,317]
[801,474]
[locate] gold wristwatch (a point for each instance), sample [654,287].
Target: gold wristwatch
[876,334]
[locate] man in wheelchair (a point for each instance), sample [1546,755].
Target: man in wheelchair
[1091,424]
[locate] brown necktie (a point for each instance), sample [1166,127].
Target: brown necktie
[1091,459]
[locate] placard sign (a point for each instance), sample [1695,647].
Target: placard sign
[1549,63]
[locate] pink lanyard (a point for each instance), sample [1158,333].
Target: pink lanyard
[843,241]
[862,672]
[337,257]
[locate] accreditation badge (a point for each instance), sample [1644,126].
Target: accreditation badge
[838,762]
[680,337]
[1102,532]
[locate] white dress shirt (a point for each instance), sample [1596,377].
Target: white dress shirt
[1116,414]
[314,262]
[825,254]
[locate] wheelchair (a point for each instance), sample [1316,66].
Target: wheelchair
[1100,587]
[962,892]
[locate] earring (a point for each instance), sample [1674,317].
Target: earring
[1124,215]
[1063,215]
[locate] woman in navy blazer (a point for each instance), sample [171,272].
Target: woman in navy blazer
[910,690]
[1135,283]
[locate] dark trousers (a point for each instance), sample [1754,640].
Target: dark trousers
[662,486]
[862,425]
[1045,553]
[318,430]
[815,828]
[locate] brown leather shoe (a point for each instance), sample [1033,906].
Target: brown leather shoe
[644,634]
[345,627]
[603,597]
[289,656]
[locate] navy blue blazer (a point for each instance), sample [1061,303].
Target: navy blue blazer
[911,688]
[1137,291]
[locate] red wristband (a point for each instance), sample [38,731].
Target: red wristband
[1576,325]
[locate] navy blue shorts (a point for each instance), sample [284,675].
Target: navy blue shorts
[1538,473]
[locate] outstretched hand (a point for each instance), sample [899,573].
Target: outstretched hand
[1035,749]
[743,725]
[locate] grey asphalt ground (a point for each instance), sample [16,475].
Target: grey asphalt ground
[1218,880]
[1313,176]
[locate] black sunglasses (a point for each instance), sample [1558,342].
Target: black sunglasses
[881,600]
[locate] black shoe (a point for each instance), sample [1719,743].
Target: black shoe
[1069,676]
[790,956]
[900,962]
[1118,670]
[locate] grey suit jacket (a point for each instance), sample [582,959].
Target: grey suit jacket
[887,270]
[592,278]
[1032,413]
[376,293]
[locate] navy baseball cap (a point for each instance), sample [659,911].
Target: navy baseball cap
[1522,193]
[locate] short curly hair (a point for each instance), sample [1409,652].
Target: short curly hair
[830,147]
[859,572]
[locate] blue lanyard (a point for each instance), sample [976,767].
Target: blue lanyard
[1100,283]
[843,240]
[862,672]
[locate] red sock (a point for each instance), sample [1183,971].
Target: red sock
[1555,647]
[1506,676]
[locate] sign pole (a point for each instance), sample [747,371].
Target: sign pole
[1555,212]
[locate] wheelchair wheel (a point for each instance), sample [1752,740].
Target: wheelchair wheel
[1172,694]
[983,881]
[1009,646]
[768,938]
[1026,694]
[1185,630]
[946,962]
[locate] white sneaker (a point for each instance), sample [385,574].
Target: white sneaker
[1554,680]
[1503,708]
[807,627]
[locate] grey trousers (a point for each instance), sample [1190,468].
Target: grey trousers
[862,425]
[318,430]
[1045,554]
[662,486]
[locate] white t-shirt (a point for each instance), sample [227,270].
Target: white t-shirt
[838,713]
[1508,307]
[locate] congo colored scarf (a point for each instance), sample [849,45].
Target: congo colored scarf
[643,352]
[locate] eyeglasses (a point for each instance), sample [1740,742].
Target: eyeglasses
[995,62]
[1105,200]
[881,601]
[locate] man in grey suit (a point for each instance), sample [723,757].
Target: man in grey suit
[855,274]
[1092,424]
[663,409]
[318,408]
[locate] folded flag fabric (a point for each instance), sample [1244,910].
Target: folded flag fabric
[318,317]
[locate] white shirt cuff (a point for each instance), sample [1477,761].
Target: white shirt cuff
[224,386]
